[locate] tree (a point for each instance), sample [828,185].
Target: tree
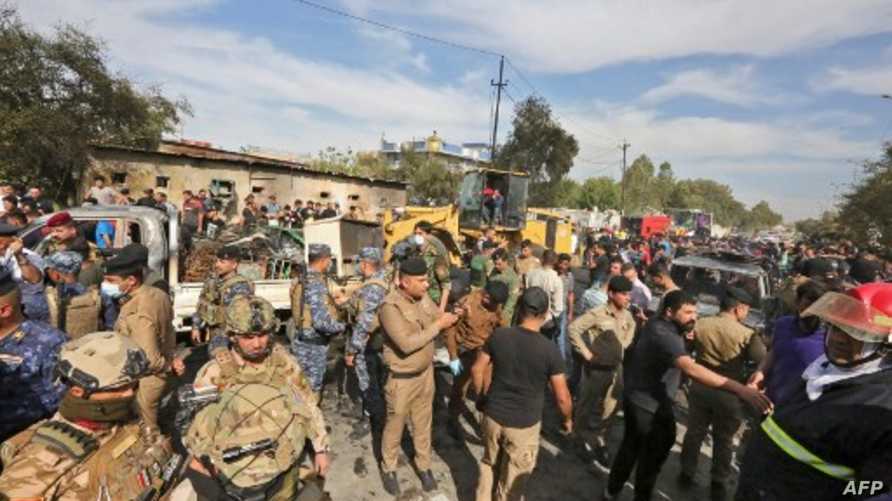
[599,192]
[812,227]
[431,182]
[639,186]
[539,146]
[865,213]
[761,216]
[57,98]
[663,185]
[708,196]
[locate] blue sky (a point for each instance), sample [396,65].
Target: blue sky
[778,99]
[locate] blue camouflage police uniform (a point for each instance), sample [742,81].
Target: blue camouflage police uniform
[28,388]
[310,342]
[368,361]
[67,262]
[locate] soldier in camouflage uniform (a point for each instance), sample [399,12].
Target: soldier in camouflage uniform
[364,351]
[217,293]
[315,317]
[95,447]
[436,257]
[29,351]
[247,445]
[254,358]
[504,272]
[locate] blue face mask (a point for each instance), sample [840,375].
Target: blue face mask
[111,290]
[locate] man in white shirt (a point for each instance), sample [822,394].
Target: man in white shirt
[549,280]
[103,194]
[641,294]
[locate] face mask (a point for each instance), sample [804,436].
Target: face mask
[418,240]
[111,290]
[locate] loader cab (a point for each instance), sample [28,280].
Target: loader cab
[493,198]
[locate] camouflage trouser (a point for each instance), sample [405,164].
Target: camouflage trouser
[371,373]
[312,360]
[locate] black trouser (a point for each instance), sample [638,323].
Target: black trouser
[647,440]
[373,397]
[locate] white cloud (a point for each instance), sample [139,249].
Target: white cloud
[738,86]
[241,86]
[579,35]
[872,80]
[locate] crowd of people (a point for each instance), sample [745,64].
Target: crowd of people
[100,400]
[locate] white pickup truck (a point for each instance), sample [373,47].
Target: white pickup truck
[153,228]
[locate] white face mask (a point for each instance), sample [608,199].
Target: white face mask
[111,290]
[418,240]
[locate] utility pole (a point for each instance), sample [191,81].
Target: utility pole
[622,196]
[495,125]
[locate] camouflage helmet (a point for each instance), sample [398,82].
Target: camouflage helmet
[102,361]
[251,435]
[250,314]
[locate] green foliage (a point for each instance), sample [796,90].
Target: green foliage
[812,228]
[761,216]
[539,146]
[431,182]
[599,192]
[865,211]
[57,97]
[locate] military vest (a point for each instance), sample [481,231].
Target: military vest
[376,339]
[127,465]
[300,311]
[211,309]
[76,315]
[278,370]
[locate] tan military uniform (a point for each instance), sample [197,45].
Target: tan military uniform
[723,345]
[464,340]
[409,328]
[146,317]
[279,368]
[59,460]
[602,333]
[526,265]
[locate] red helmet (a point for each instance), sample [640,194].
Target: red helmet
[865,312]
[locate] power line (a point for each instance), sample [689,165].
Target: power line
[404,31]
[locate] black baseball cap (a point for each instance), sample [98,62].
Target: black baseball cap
[534,301]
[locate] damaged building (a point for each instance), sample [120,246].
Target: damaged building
[230,176]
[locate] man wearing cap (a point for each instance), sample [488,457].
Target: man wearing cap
[511,373]
[65,235]
[724,345]
[600,337]
[315,317]
[73,308]
[364,351]
[146,316]
[411,321]
[250,322]
[217,292]
[481,314]
[26,268]
[28,352]
[95,447]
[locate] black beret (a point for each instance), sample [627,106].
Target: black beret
[7,284]
[8,230]
[619,283]
[497,291]
[229,252]
[534,301]
[414,266]
[740,295]
[128,260]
